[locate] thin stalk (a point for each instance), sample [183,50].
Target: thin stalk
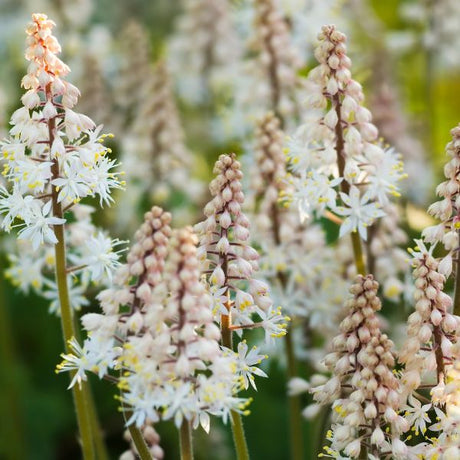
[239,438]
[345,186]
[141,446]
[186,450]
[295,421]
[79,394]
[457,282]
[99,444]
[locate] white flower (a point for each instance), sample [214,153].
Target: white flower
[273,322]
[73,185]
[38,229]
[314,193]
[99,256]
[360,214]
[246,364]
[417,415]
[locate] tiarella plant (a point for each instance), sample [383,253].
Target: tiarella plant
[187,322]
[239,301]
[54,158]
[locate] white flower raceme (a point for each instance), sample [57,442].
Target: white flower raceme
[54,158]
[64,148]
[448,209]
[165,323]
[227,257]
[428,355]
[156,161]
[338,144]
[204,49]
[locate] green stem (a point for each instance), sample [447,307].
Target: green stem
[358,253]
[345,186]
[139,441]
[295,421]
[186,449]
[99,444]
[78,391]
[239,438]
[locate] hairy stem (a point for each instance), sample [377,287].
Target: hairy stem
[141,446]
[345,186]
[295,420]
[79,393]
[239,438]
[186,450]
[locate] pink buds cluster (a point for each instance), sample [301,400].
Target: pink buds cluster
[363,388]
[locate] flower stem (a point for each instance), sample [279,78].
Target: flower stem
[186,450]
[99,444]
[139,441]
[345,186]
[358,253]
[79,394]
[239,438]
[295,421]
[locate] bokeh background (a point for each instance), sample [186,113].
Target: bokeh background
[405,53]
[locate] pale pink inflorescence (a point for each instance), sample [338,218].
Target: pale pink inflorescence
[447,210]
[157,162]
[228,258]
[431,327]
[363,390]
[204,49]
[55,157]
[173,365]
[277,59]
[429,355]
[338,144]
[295,260]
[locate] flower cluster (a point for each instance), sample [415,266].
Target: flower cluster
[339,145]
[276,59]
[173,365]
[229,261]
[448,209]
[54,158]
[363,390]
[429,354]
[294,258]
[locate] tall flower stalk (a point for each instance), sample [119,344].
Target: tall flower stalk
[267,182]
[339,140]
[229,263]
[54,158]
